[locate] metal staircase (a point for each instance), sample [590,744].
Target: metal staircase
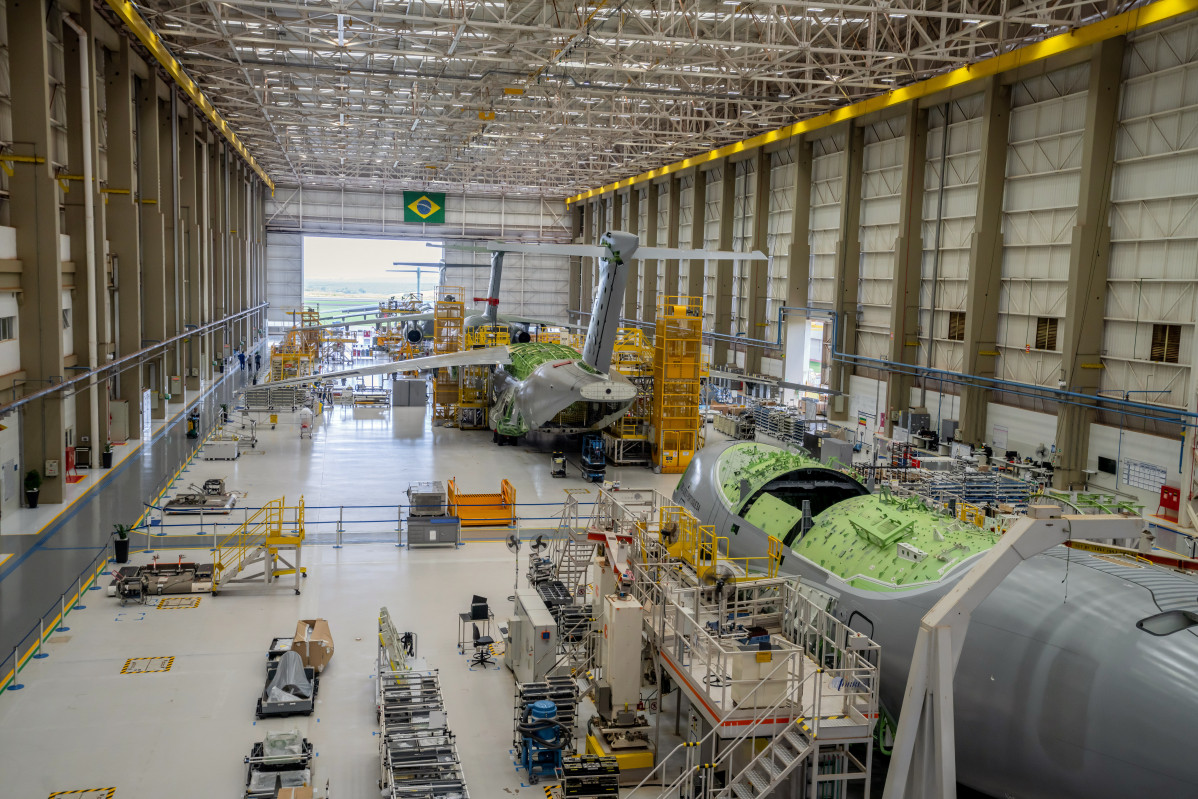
[772,765]
[572,552]
[260,540]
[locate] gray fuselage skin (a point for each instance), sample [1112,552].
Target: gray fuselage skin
[1058,695]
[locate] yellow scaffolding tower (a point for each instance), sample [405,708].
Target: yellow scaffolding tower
[625,442]
[677,363]
[448,315]
[475,381]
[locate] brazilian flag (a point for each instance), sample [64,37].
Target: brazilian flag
[424,206]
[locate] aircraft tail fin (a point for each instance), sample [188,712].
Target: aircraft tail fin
[609,300]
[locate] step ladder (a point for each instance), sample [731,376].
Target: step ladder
[261,541]
[573,559]
[772,765]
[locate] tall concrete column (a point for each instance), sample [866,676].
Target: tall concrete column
[633,226]
[694,275]
[123,218]
[985,264]
[758,271]
[34,214]
[649,268]
[153,234]
[1089,257]
[670,283]
[908,262]
[168,207]
[722,323]
[214,206]
[848,263]
[90,286]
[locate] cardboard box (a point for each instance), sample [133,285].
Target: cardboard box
[296,793]
[314,643]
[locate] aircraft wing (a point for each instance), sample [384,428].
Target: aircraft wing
[398,318]
[528,320]
[642,253]
[486,356]
[711,255]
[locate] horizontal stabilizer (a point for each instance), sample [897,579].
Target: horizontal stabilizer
[641,253]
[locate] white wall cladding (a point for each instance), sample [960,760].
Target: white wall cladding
[742,241]
[778,240]
[642,229]
[711,241]
[826,190]
[686,215]
[881,187]
[663,238]
[957,215]
[284,275]
[1044,161]
[1154,215]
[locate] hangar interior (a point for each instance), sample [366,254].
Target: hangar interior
[769,344]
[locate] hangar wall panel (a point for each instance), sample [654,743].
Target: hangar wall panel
[1154,216]
[284,275]
[1044,162]
[686,216]
[743,214]
[826,191]
[881,187]
[663,239]
[778,240]
[713,209]
[958,149]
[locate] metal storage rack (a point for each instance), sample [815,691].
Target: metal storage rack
[418,755]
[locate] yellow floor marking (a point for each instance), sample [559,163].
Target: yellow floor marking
[150,665]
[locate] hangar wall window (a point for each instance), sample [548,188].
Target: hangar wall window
[1166,343]
[1046,333]
[8,328]
[66,318]
[956,326]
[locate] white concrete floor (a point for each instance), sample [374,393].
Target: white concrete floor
[79,723]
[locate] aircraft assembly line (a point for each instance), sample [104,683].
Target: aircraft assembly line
[592,400]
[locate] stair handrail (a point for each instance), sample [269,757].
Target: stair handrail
[755,723]
[238,542]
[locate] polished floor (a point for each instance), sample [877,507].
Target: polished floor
[79,723]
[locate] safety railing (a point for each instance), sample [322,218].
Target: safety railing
[326,524]
[269,523]
[699,546]
[52,621]
[782,706]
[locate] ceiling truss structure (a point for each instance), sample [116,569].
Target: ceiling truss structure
[552,97]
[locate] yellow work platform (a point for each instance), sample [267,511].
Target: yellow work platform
[484,510]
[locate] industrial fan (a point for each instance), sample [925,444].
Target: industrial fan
[669,534]
[513,546]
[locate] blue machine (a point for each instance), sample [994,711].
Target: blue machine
[542,741]
[594,462]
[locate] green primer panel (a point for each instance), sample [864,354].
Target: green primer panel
[859,541]
[773,515]
[750,465]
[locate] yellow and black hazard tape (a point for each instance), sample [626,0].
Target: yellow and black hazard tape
[179,603]
[81,793]
[166,663]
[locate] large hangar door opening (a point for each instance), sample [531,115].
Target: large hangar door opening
[351,273]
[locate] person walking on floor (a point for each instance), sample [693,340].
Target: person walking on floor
[257,361]
[241,357]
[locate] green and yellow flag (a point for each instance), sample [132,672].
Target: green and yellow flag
[424,206]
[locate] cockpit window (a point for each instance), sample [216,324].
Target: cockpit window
[1169,622]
